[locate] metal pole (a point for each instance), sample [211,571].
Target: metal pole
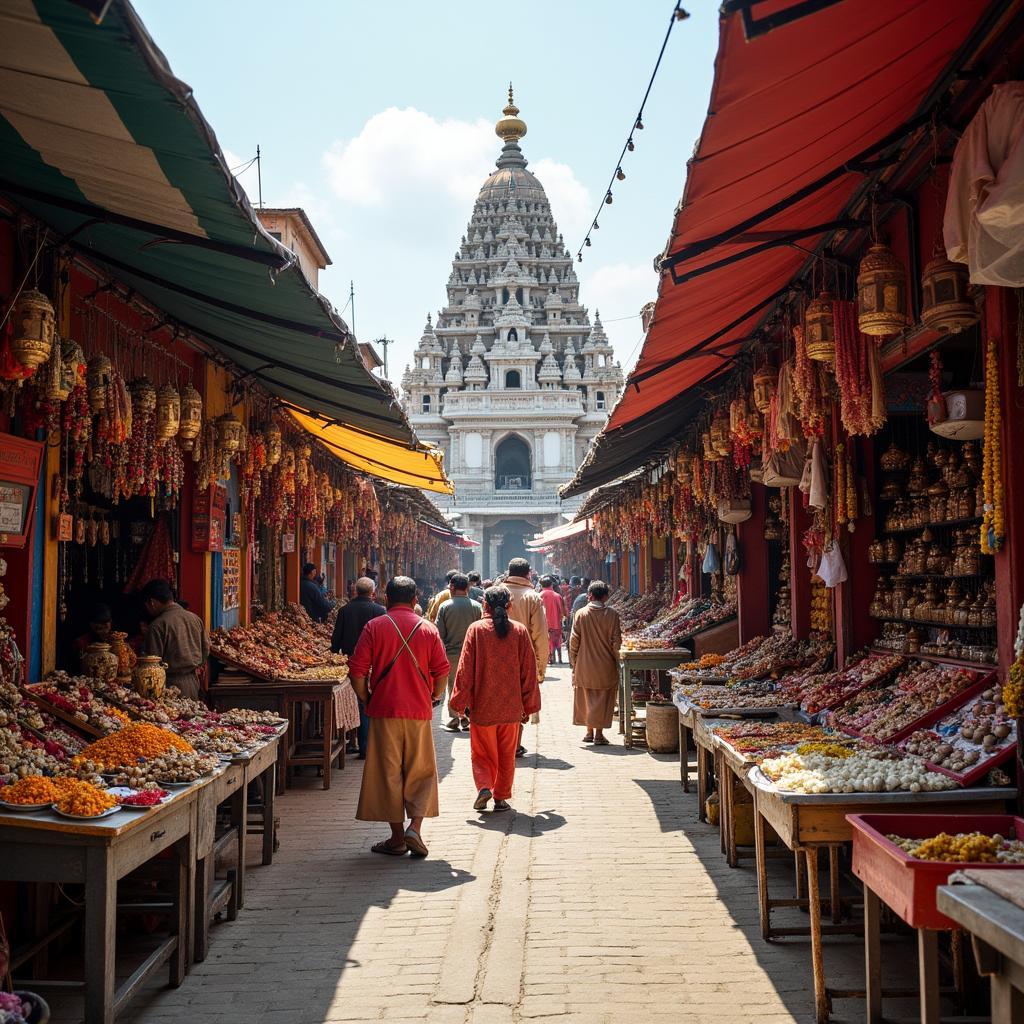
[352,303]
[259,177]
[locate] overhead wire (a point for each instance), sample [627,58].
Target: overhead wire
[678,14]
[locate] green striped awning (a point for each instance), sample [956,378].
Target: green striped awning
[101,142]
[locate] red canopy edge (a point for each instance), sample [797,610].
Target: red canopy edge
[798,117]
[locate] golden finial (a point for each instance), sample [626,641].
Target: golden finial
[510,128]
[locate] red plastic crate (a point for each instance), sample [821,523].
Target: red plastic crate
[906,884]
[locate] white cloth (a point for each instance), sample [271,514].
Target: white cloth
[818,494]
[984,221]
[832,570]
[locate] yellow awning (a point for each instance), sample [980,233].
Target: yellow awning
[378,456]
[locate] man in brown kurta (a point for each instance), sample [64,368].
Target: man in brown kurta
[177,635]
[528,610]
[594,656]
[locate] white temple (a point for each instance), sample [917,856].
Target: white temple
[513,381]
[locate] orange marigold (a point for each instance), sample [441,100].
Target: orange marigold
[135,741]
[33,789]
[84,799]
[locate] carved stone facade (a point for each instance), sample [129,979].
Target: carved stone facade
[513,381]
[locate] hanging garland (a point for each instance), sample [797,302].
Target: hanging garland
[993,526]
[858,374]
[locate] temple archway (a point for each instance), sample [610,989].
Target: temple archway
[512,465]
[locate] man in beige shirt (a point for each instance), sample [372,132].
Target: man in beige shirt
[594,656]
[528,609]
[177,635]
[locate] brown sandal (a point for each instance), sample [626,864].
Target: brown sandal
[388,850]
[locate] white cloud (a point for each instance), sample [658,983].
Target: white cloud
[569,198]
[398,151]
[620,290]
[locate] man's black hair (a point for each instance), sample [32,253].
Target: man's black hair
[474,577]
[449,574]
[401,590]
[158,590]
[519,567]
[307,568]
[598,589]
[460,581]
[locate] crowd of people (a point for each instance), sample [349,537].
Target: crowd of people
[481,648]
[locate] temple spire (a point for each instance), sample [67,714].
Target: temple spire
[510,129]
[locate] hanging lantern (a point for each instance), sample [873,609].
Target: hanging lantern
[98,375]
[684,475]
[946,304]
[229,433]
[190,416]
[143,392]
[737,415]
[766,381]
[755,424]
[819,329]
[881,293]
[711,453]
[72,364]
[33,323]
[272,442]
[168,412]
[720,434]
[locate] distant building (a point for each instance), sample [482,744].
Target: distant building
[514,381]
[291,227]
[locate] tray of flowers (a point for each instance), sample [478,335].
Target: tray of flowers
[904,858]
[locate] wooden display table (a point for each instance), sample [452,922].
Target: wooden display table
[317,738]
[653,660]
[996,925]
[44,847]
[258,696]
[808,823]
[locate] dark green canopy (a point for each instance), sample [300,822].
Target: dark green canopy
[101,142]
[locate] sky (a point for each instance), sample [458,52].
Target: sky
[378,119]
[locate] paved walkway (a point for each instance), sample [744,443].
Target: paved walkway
[600,899]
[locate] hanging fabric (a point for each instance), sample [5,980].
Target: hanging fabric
[984,221]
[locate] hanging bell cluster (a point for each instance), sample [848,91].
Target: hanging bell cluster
[881,293]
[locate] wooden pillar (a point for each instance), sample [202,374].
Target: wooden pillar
[752,584]
[799,574]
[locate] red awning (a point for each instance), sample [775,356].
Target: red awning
[792,111]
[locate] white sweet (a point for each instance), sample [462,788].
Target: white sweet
[860,773]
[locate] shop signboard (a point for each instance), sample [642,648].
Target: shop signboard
[209,512]
[20,460]
[287,543]
[232,583]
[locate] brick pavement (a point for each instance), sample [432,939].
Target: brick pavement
[601,898]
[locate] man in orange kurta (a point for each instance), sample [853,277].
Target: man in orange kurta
[497,681]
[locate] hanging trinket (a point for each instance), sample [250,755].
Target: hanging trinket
[819,329]
[945,296]
[881,293]
[33,322]
[272,442]
[190,417]
[98,375]
[765,384]
[168,413]
[229,433]
[143,393]
[72,369]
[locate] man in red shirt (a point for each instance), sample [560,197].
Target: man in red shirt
[399,671]
[554,612]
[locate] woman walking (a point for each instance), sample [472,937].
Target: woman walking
[496,682]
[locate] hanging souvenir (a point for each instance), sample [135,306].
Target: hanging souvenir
[881,293]
[72,369]
[98,375]
[765,383]
[143,392]
[190,417]
[272,440]
[33,324]
[229,433]
[819,329]
[945,296]
[168,413]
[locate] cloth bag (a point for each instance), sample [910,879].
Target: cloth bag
[784,469]
[732,555]
[712,563]
[832,568]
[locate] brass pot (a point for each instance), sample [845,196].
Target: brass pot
[100,662]
[126,657]
[150,676]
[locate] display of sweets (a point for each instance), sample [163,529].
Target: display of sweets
[762,739]
[174,768]
[250,716]
[82,799]
[21,753]
[820,691]
[862,771]
[754,694]
[76,698]
[637,610]
[882,712]
[279,644]
[971,735]
[130,744]
[963,848]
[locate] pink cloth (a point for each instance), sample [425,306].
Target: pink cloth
[346,708]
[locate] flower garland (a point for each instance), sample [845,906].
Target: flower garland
[858,376]
[993,526]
